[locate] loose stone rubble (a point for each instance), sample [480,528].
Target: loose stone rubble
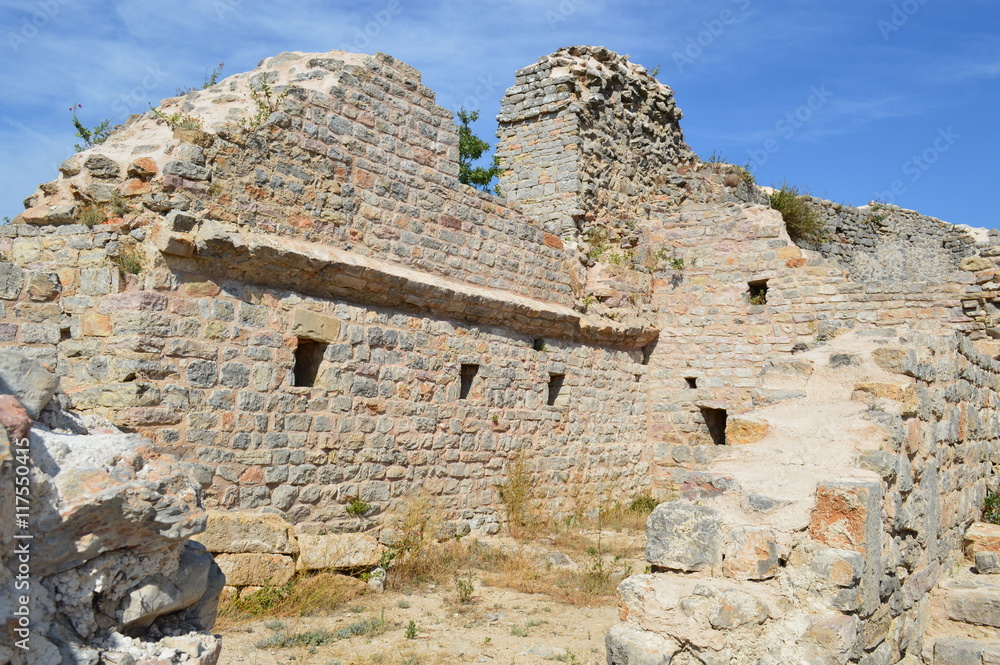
[306,307]
[106,573]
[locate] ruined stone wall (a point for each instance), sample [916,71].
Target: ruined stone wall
[585,134]
[717,346]
[821,538]
[883,243]
[355,155]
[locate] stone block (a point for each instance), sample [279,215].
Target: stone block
[742,430]
[256,569]
[751,553]
[175,244]
[240,533]
[960,651]
[847,515]
[683,536]
[830,640]
[977,606]
[627,645]
[987,563]
[734,608]
[982,537]
[26,379]
[338,551]
[842,568]
[310,325]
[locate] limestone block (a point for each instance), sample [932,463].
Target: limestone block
[112,494]
[840,567]
[44,215]
[239,533]
[751,553]
[682,536]
[974,264]
[830,640]
[742,430]
[310,325]
[26,379]
[982,537]
[627,645]
[963,651]
[987,563]
[11,280]
[734,608]
[256,569]
[160,595]
[338,551]
[980,606]
[847,515]
[176,244]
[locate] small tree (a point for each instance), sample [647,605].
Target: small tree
[471,148]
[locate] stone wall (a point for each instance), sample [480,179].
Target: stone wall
[821,535]
[205,367]
[286,287]
[883,243]
[585,134]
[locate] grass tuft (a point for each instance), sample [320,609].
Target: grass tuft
[802,219]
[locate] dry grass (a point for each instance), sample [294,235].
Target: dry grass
[306,594]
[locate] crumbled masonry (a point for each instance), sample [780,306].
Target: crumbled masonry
[319,323]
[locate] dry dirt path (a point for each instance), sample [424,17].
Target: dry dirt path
[500,626]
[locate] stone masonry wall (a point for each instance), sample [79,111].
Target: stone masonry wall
[820,538]
[204,368]
[584,132]
[714,336]
[879,243]
[355,155]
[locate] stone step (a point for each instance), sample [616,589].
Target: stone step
[963,651]
[973,599]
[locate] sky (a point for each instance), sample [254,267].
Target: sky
[854,100]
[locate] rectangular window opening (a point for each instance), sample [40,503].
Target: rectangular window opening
[715,420]
[467,374]
[555,386]
[758,292]
[538,344]
[692,381]
[308,358]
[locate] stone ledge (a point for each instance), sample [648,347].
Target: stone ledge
[327,271]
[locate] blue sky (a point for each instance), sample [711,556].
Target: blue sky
[854,100]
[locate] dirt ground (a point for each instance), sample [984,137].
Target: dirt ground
[501,626]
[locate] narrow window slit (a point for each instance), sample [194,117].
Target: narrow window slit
[308,358]
[692,381]
[715,420]
[467,374]
[555,386]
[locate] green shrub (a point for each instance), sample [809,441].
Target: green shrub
[358,507]
[991,508]
[802,219]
